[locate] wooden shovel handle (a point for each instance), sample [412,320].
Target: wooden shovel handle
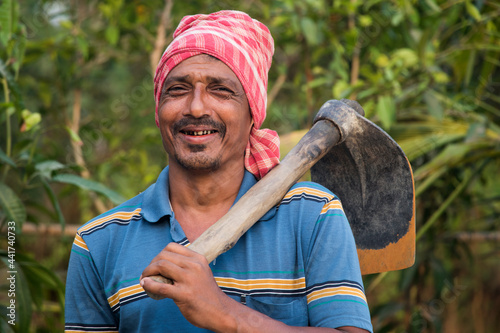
[269,191]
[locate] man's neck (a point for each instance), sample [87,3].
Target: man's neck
[199,199]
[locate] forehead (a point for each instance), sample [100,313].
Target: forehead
[203,64]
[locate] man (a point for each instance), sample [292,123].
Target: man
[294,270]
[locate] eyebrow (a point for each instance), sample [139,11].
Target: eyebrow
[169,79]
[212,79]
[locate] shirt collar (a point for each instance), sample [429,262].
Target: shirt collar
[156,203]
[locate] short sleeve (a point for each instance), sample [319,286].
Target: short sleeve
[335,293]
[87,308]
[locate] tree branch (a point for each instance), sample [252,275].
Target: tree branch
[475,236]
[74,126]
[355,55]
[40,230]
[161,41]
[275,89]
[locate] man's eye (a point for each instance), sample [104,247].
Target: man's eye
[223,90]
[175,90]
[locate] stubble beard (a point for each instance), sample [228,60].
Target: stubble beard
[197,161]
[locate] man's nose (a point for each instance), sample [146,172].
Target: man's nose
[197,106]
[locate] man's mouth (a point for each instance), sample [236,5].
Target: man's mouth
[199,133]
[198,128]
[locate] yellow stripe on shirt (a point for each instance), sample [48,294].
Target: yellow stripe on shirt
[117,215]
[80,242]
[253,284]
[310,191]
[335,291]
[124,292]
[334,204]
[73,331]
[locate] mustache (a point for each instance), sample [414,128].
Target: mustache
[209,122]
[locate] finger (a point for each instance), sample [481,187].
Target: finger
[163,254]
[182,256]
[174,248]
[166,267]
[183,250]
[158,289]
[168,255]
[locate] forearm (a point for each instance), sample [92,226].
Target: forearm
[202,302]
[240,318]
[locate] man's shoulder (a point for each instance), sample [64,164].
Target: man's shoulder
[309,202]
[308,191]
[124,213]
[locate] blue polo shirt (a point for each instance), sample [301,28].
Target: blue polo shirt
[298,264]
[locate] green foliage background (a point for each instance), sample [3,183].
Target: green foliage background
[78,134]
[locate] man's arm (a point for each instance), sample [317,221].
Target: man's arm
[203,303]
[86,305]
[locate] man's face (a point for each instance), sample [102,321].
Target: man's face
[204,115]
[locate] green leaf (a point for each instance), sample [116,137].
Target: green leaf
[3,70]
[18,52]
[452,155]
[434,106]
[66,24]
[39,279]
[106,9]
[468,176]
[386,110]
[17,98]
[341,89]
[6,159]
[10,111]
[23,301]
[421,145]
[12,206]
[407,57]
[311,31]
[365,21]
[33,280]
[382,61]
[3,321]
[87,184]
[22,297]
[476,131]
[83,46]
[54,201]
[397,18]
[6,18]
[433,6]
[74,136]
[31,119]
[46,168]
[15,17]
[45,94]
[112,34]
[472,10]
[470,67]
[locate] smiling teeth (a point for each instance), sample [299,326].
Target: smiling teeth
[198,133]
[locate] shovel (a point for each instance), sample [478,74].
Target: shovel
[358,162]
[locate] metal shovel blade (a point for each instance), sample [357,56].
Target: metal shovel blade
[372,177]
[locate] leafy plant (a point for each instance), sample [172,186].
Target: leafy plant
[27,179]
[77,118]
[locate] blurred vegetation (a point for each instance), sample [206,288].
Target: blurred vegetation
[77,120]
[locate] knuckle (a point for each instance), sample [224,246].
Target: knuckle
[171,245]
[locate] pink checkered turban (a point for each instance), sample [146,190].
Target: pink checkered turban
[246,46]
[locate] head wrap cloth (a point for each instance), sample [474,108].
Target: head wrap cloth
[246,46]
